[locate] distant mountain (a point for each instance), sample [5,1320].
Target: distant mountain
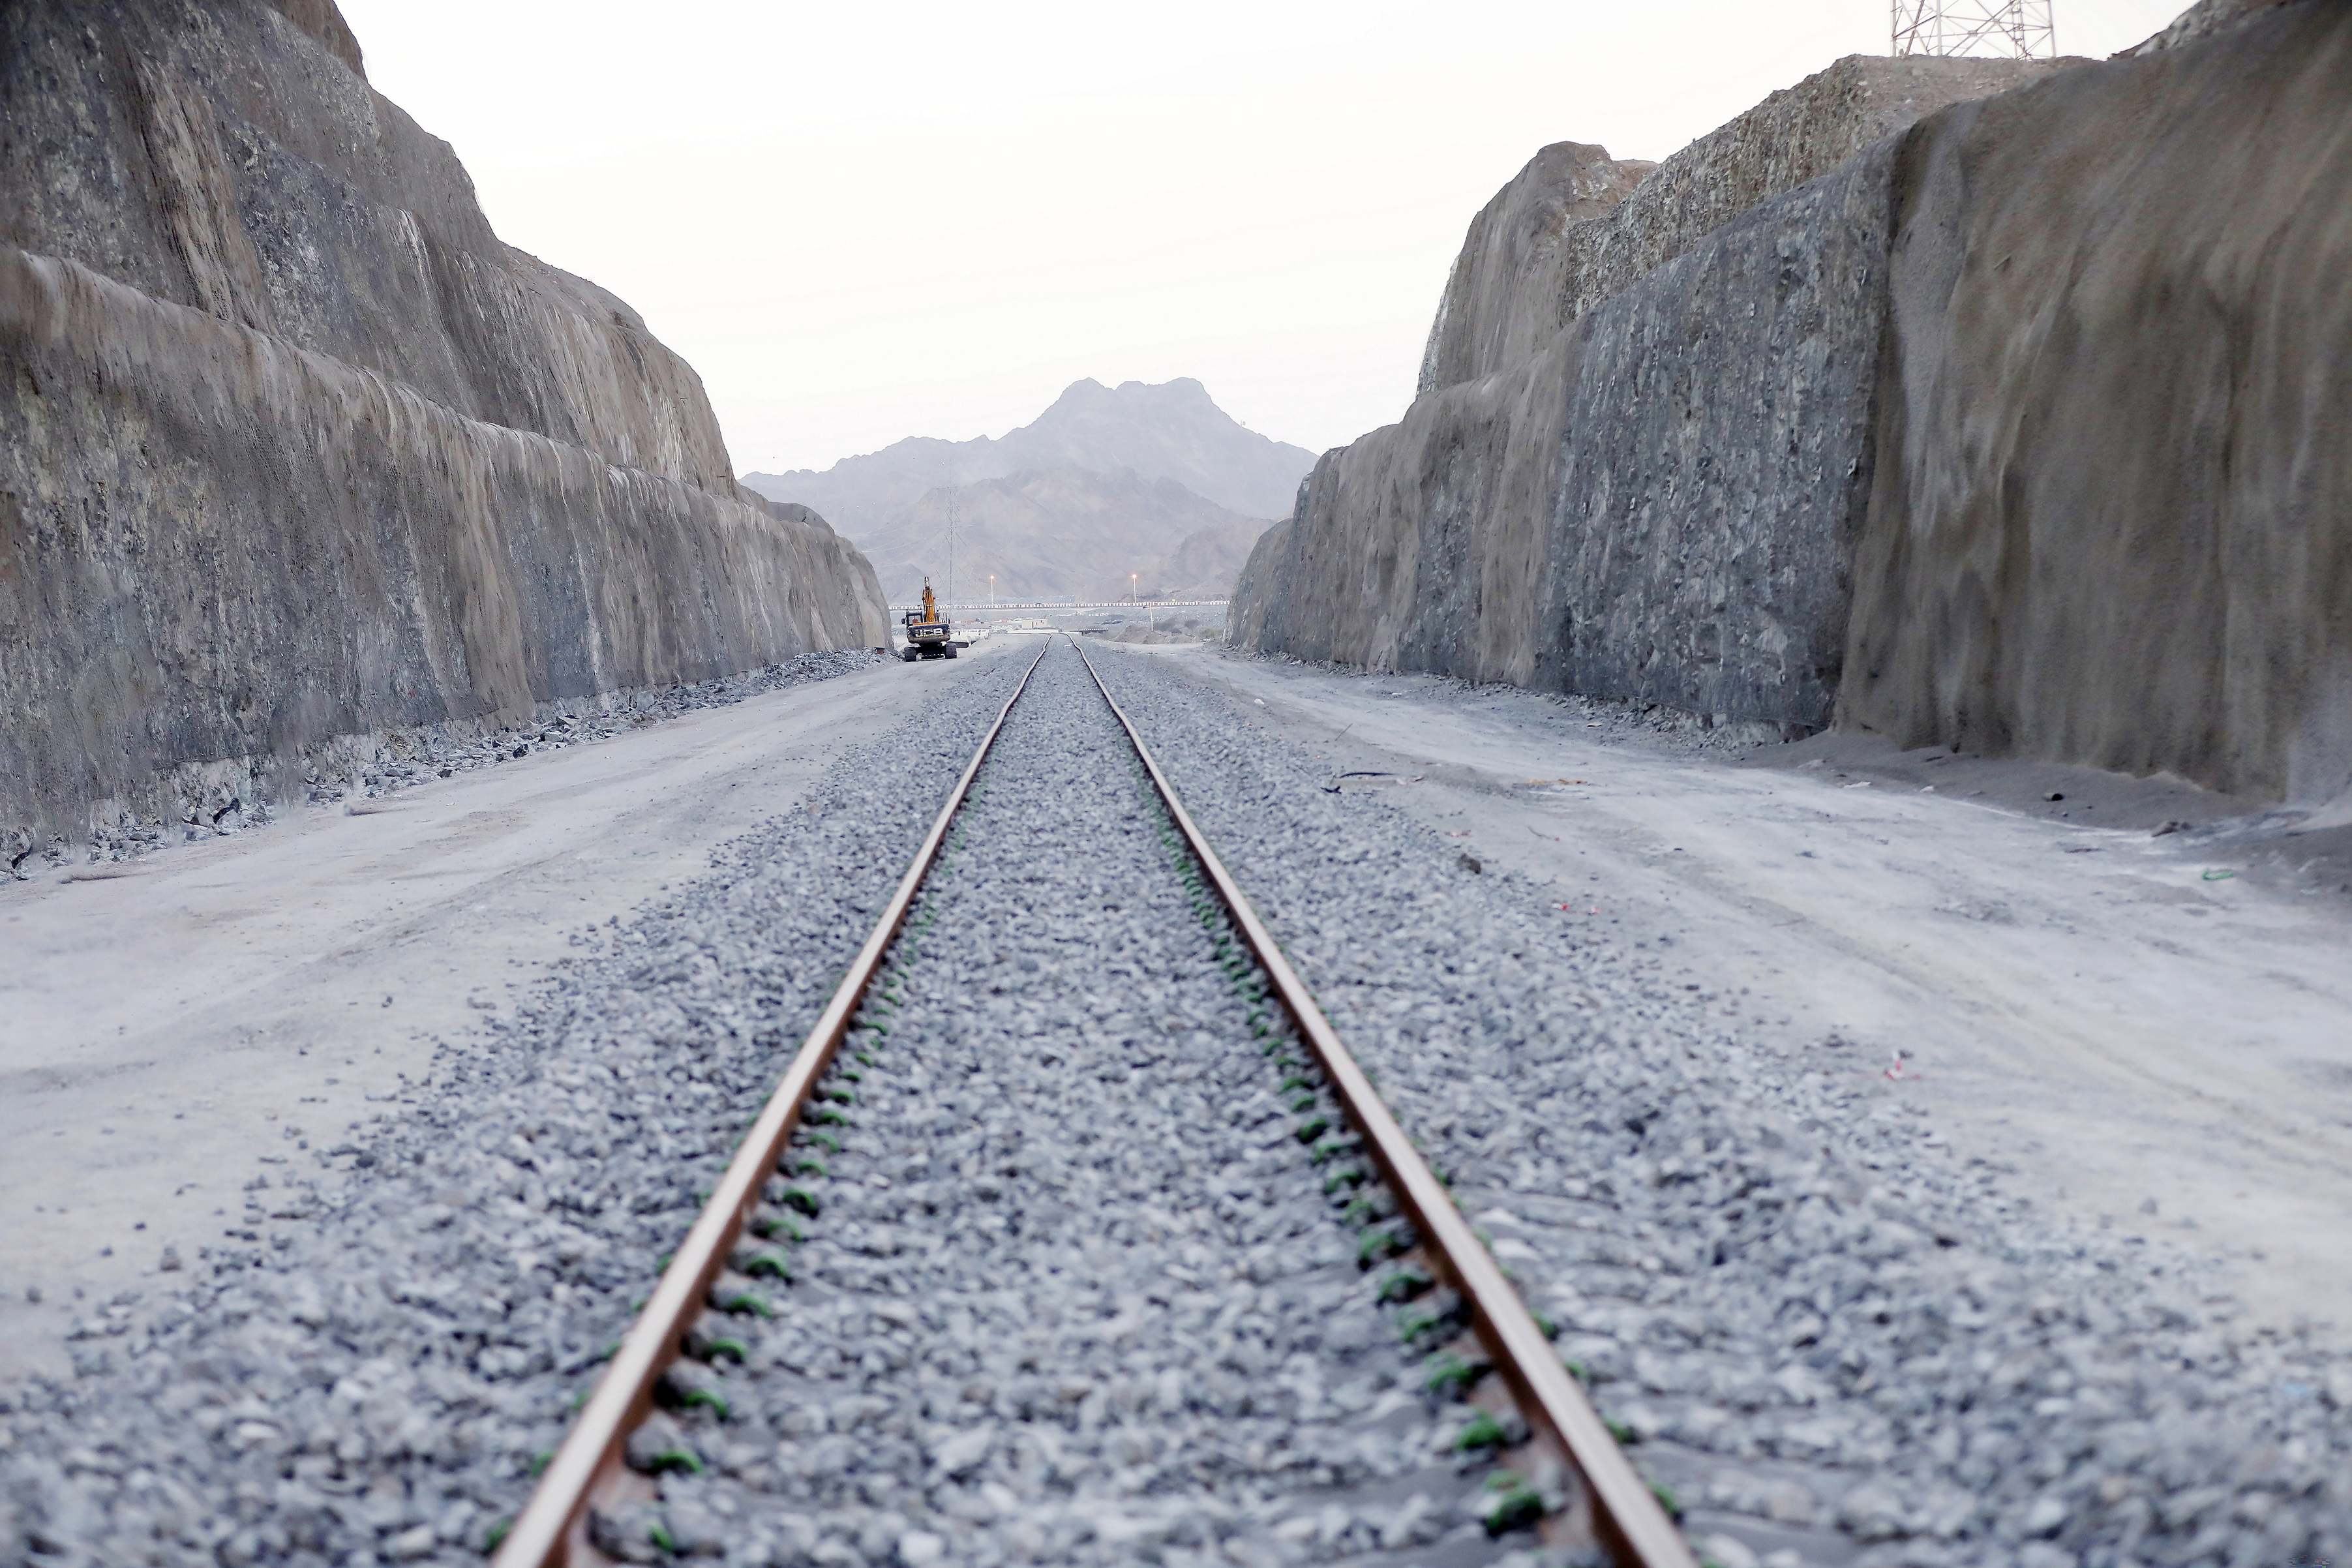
[1066,531]
[1206,563]
[1171,431]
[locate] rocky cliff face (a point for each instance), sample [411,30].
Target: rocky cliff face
[1504,297]
[2112,516]
[292,446]
[1576,229]
[2016,427]
[1642,443]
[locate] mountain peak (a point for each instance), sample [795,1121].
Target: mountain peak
[1083,390]
[1088,394]
[1163,430]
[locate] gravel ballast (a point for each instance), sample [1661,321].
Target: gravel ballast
[1817,1317]
[398,1324]
[1071,1290]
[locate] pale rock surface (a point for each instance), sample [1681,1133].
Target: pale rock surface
[2109,521]
[1502,298]
[1576,227]
[1960,402]
[1643,436]
[292,446]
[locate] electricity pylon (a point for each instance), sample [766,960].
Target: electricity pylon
[2018,29]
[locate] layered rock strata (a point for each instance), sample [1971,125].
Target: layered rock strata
[291,445]
[2011,421]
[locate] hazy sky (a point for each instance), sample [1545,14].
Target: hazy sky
[867,221]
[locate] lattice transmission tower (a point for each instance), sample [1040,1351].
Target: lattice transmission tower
[2016,28]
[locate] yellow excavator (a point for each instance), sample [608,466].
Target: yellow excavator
[927,631]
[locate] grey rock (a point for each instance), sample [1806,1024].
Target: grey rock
[1641,444]
[2116,495]
[348,387]
[1713,451]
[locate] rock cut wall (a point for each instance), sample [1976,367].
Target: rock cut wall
[2006,420]
[291,445]
[2112,519]
[1642,445]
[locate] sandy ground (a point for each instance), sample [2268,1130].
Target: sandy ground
[170,1035]
[2145,1032]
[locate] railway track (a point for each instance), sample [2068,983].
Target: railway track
[688,1365]
[1074,1293]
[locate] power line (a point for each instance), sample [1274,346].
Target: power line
[2018,29]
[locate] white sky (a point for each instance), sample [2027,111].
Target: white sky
[861,221]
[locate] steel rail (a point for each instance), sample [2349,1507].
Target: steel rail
[592,1462]
[1626,1516]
